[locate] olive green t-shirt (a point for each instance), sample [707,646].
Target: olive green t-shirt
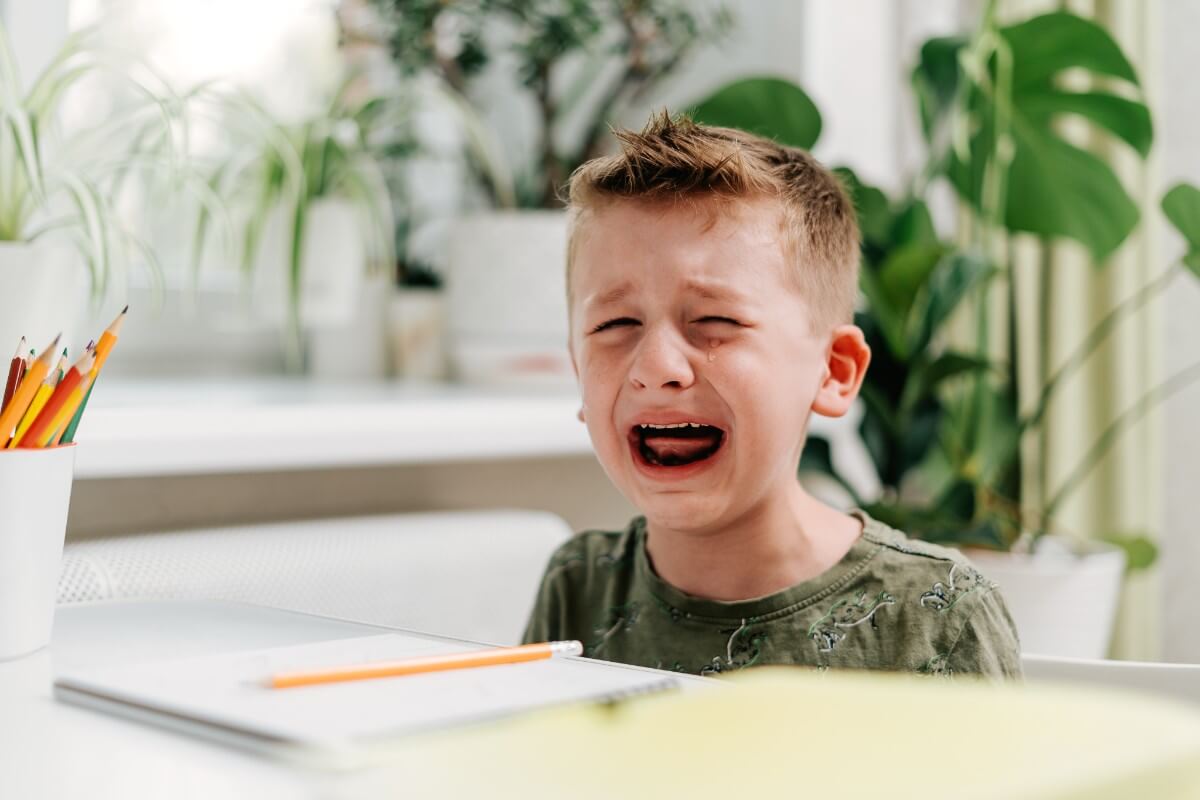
[891,603]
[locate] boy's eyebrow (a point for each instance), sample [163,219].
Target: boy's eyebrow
[713,291]
[613,295]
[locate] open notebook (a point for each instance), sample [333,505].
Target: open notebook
[223,696]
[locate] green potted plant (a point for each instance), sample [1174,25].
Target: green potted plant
[311,222]
[580,65]
[942,425]
[60,232]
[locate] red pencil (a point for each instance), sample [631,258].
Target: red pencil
[16,370]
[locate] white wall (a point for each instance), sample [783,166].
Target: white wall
[1178,143]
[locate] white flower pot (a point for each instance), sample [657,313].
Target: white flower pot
[333,265]
[417,333]
[356,350]
[43,291]
[506,294]
[1063,597]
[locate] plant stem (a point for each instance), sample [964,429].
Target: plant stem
[1093,340]
[1164,390]
[551,168]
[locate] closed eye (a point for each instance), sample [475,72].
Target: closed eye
[615,323]
[725,320]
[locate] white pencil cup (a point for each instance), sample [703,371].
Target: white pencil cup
[35,493]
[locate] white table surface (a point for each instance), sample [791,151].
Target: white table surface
[53,750]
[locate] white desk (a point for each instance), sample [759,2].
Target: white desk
[52,750]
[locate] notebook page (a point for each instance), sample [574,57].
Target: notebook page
[228,690]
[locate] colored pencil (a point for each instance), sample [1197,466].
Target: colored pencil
[107,340]
[39,400]
[40,432]
[15,370]
[417,666]
[35,373]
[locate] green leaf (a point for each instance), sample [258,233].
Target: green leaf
[1140,552]
[1192,261]
[906,272]
[935,80]
[871,204]
[1048,44]
[890,320]
[949,365]
[771,107]
[914,225]
[1128,120]
[1054,188]
[1182,207]
[955,277]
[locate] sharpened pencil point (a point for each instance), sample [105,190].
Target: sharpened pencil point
[125,309]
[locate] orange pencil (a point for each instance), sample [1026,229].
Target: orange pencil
[39,400]
[39,433]
[417,666]
[107,340]
[103,348]
[35,373]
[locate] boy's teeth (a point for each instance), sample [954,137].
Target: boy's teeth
[647,425]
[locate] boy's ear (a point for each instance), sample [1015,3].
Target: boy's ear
[846,364]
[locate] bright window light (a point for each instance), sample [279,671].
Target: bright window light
[285,51]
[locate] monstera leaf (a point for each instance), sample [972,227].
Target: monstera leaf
[1182,207]
[1054,187]
[770,107]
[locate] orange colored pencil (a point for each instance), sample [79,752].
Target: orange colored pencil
[40,432]
[16,369]
[23,396]
[417,666]
[107,340]
[39,400]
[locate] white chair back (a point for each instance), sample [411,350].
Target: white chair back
[1178,681]
[471,575]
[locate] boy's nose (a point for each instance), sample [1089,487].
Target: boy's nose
[661,362]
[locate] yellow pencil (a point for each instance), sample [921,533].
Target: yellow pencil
[34,375]
[417,666]
[39,399]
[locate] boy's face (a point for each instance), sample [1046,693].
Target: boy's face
[678,320]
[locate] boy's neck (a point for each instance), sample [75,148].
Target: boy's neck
[789,538]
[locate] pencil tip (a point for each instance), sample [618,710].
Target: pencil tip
[125,309]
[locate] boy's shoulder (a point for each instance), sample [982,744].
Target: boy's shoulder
[907,561]
[897,544]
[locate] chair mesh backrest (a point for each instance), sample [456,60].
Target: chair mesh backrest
[466,574]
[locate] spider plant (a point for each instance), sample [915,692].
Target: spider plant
[278,166]
[66,183]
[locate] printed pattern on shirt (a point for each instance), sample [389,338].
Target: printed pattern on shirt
[961,582]
[835,624]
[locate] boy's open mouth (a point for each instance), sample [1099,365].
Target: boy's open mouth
[677,444]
